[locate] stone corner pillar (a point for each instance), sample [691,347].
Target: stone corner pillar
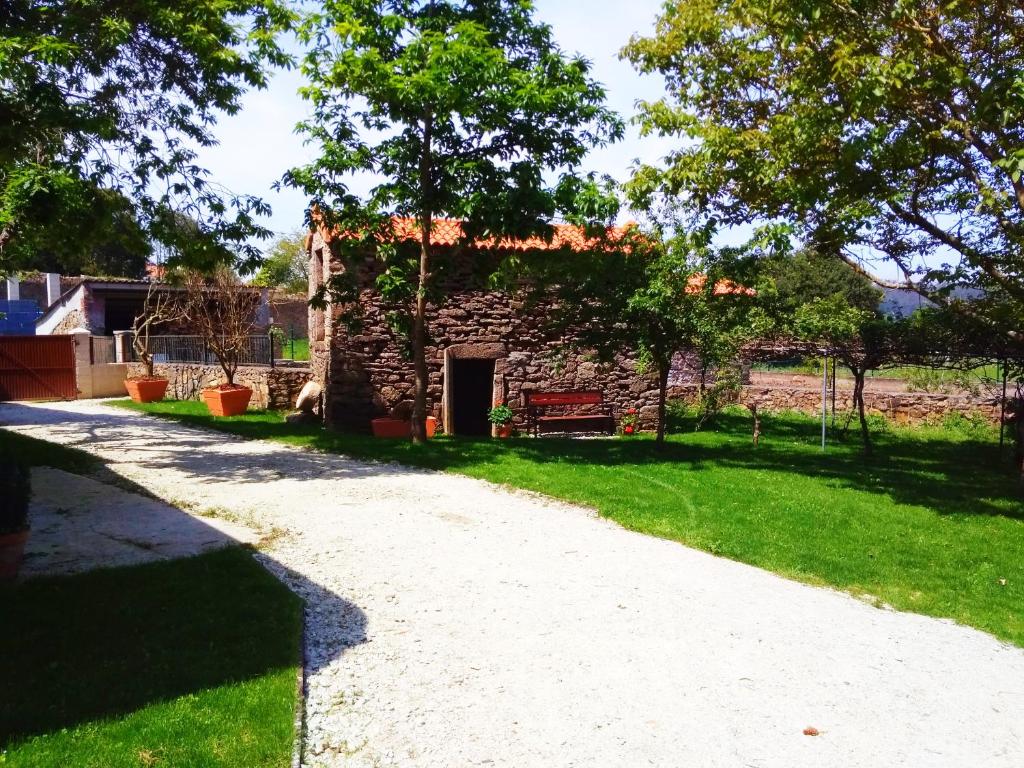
[122,346]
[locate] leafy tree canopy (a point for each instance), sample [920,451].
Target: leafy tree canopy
[652,298]
[109,99]
[893,128]
[458,108]
[798,278]
[285,265]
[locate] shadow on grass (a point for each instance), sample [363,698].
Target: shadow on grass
[106,643]
[950,474]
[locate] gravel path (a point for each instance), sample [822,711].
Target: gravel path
[79,524]
[453,623]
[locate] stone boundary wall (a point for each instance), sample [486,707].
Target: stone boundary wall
[275,388]
[898,407]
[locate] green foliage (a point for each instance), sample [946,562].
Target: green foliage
[184,663]
[285,265]
[930,524]
[712,400]
[878,128]
[649,297]
[103,106]
[500,414]
[792,280]
[460,109]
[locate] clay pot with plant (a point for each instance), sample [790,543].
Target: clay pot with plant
[398,424]
[223,311]
[15,492]
[501,417]
[161,307]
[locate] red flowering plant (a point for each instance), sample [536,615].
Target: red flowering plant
[630,422]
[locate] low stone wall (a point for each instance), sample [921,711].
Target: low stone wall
[275,388]
[899,407]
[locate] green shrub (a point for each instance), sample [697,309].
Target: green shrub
[15,491]
[974,425]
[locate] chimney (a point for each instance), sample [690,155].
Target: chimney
[52,288]
[13,288]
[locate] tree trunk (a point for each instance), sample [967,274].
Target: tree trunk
[663,371]
[858,401]
[757,422]
[419,326]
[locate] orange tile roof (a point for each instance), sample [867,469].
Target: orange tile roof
[450,232]
[723,287]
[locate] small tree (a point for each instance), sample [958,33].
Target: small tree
[161,306]
[461,109]
[859,339]
[222,309]
[650,298]
[286,265]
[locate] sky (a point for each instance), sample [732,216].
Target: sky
[257,145]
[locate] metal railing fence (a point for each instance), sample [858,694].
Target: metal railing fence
[258,350]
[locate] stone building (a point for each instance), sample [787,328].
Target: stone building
[485,346]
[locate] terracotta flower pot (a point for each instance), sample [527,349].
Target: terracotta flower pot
[227,400]
[399,428]
[12,548]
[144,389]
[503,431]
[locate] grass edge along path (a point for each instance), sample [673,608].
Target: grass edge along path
[933,524]
[188,662]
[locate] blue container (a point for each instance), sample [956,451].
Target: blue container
[18,318]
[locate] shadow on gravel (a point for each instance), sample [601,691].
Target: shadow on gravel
[204,455]
[98,646]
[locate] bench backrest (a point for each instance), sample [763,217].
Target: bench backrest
[563,398]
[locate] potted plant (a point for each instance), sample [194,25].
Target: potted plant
[160,307]
[399,423]
[501,417]
[15,492]
[630,422]
[222,310]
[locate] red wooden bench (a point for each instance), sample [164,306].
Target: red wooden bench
[539,421]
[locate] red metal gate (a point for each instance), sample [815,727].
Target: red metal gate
[37,368]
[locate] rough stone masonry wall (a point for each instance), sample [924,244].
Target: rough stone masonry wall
[899,407]
[275,388]
[368,375]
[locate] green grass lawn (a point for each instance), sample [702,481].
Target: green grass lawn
[934,523]
[189,663]
[295,350]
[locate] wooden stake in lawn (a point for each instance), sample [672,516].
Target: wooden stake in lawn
[476,104]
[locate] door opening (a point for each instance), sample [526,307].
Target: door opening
[472,389]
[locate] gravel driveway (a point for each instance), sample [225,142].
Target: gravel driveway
[453,623]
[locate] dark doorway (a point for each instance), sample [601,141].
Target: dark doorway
[472,388]
[120,313]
